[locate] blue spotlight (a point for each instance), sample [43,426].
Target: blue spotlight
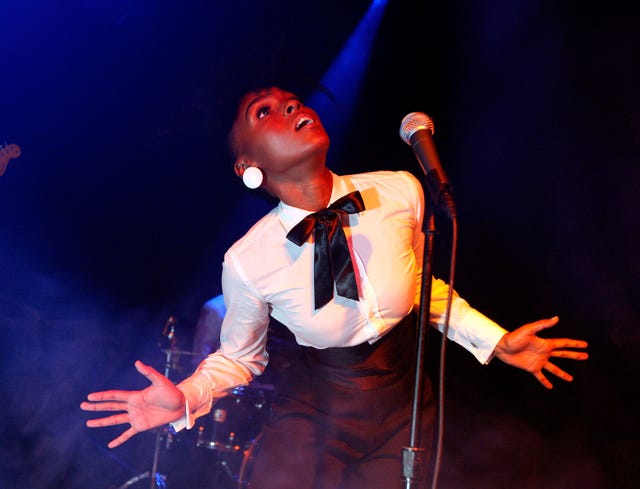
[344,77]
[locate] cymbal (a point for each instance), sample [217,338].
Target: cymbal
[180,352]
[260,386]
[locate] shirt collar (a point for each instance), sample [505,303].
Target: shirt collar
[290,216]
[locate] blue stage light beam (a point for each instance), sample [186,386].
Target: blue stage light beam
[344,77]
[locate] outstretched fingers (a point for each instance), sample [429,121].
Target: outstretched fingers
[112,395]
[149,372]
[570,354]
[541,324]
[553,369]
[116,442]
[558,372]
[559,344]
[96,403]
[112,420]
[543,380]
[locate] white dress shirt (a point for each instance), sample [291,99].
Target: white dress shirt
[265,274]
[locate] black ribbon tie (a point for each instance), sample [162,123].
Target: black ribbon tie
[331,255]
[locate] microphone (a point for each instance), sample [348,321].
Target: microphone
[416,129]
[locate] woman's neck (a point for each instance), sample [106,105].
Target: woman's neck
[312,193]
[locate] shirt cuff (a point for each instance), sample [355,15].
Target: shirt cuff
[197,396]
[482,336]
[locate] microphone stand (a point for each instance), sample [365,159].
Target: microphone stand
[413,463]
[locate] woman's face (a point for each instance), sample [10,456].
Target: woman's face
[275,131]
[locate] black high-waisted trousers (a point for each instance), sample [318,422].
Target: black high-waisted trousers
[340,417]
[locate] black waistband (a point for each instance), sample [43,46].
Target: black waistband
[344,356]
[368,365]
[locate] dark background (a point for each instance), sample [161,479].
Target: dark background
[118,211]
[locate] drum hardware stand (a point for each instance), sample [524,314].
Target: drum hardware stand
[135,479]
[158,480]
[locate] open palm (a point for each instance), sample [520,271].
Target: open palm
[160,403]
[522,348]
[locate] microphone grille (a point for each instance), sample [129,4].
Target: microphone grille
[414,122]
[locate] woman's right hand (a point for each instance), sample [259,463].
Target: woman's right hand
[160,403]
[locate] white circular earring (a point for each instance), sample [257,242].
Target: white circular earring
[252,177]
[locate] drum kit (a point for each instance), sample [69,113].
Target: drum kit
[217,453]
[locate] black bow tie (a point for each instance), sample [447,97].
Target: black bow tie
[331,256]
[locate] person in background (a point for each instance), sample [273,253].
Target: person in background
[206,337]
[341,413]
[206,340]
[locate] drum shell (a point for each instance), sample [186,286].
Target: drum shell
[235,420]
